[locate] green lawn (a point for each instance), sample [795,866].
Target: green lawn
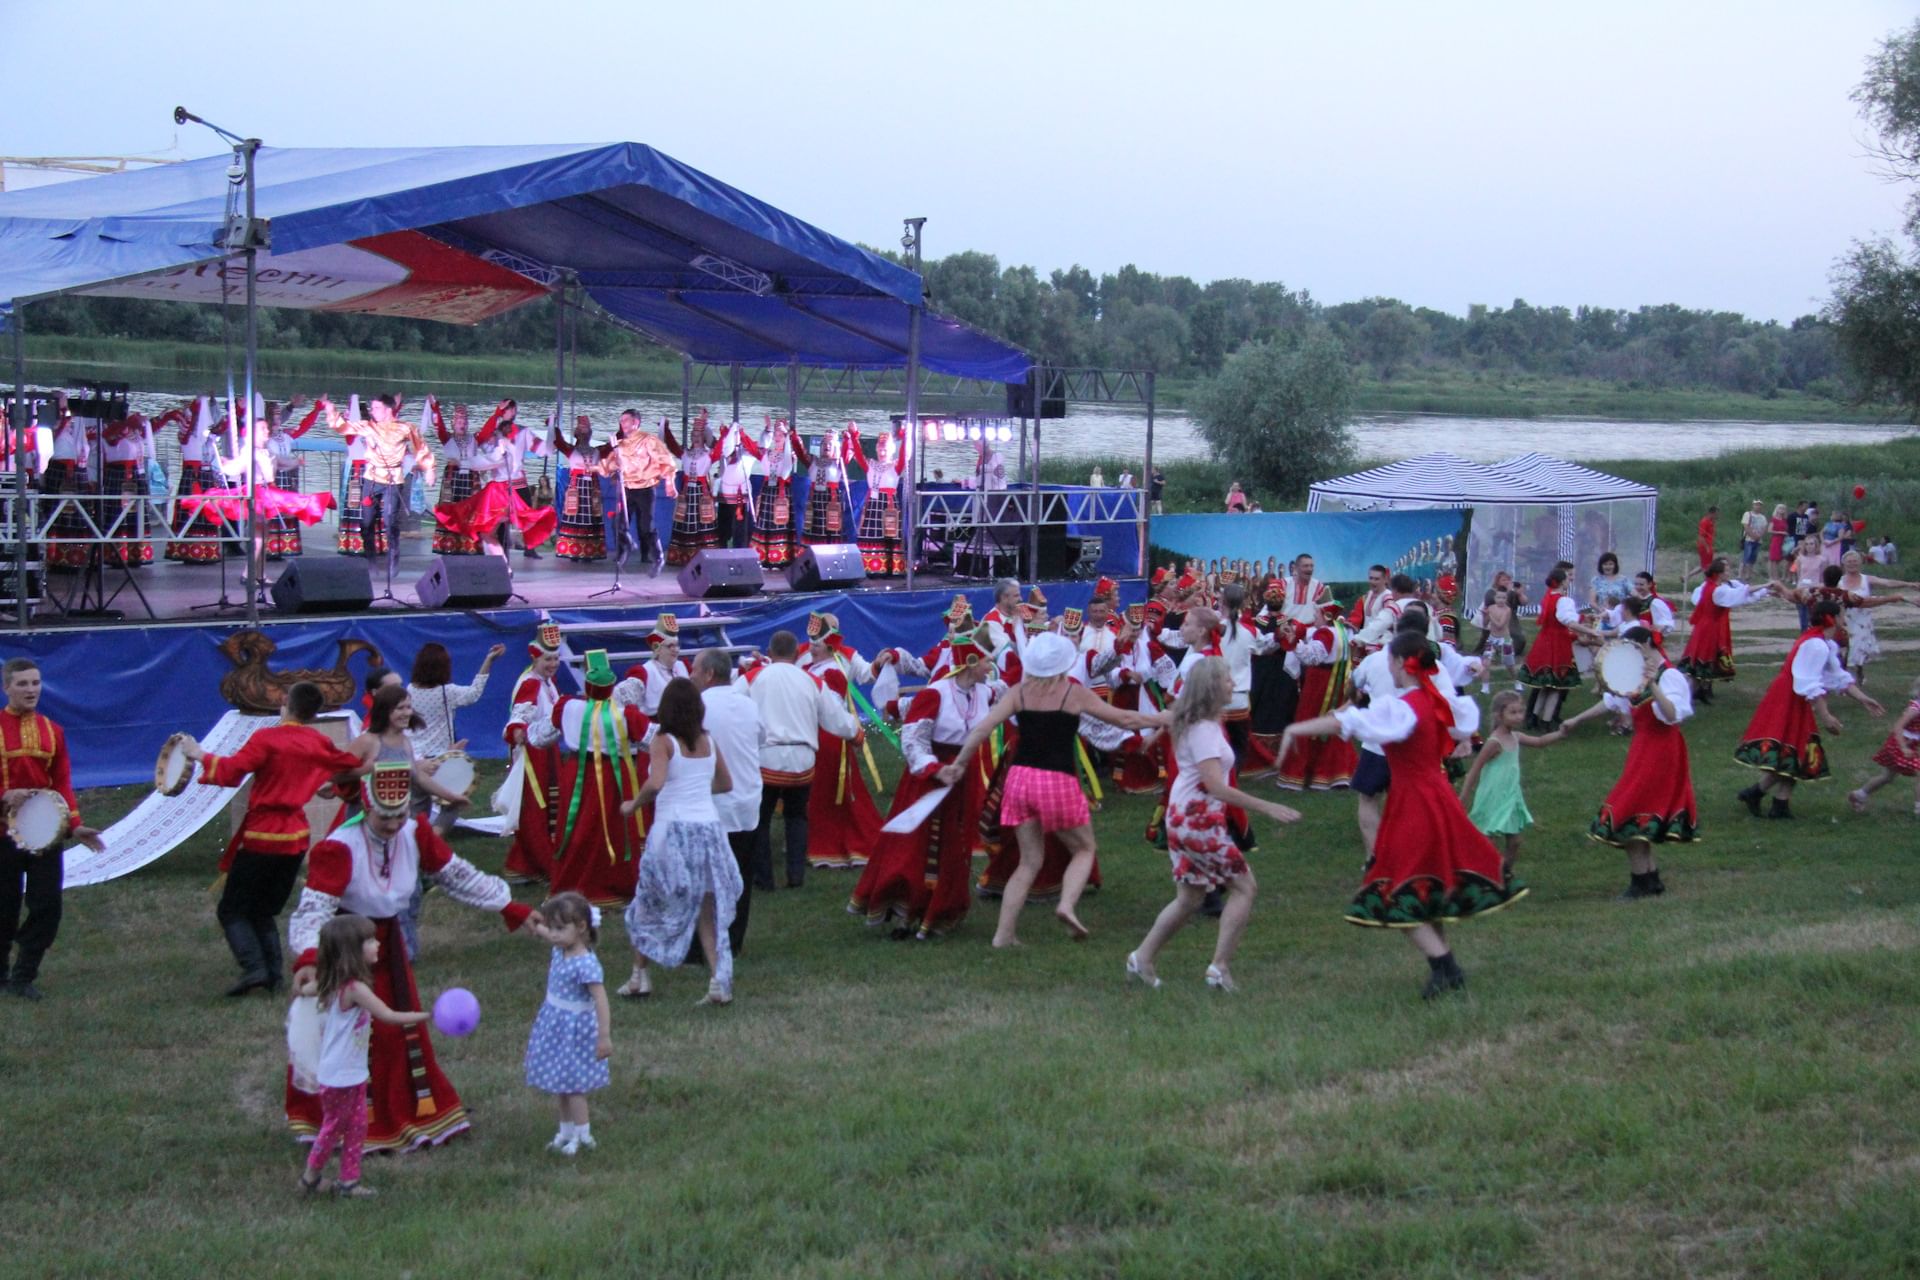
[1720,1082]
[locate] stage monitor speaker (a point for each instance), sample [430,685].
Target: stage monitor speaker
[323,584]
[1021,396]
[722,573]
[464,582]
[826,568]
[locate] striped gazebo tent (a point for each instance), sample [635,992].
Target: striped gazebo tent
[1528,512]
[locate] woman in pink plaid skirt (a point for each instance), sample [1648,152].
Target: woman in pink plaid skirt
[1042,795]
[1199,839]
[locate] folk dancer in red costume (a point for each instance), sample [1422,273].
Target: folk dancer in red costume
[361,531]
[829,515]
[283,533]
[892,663]
[1783,738]
[268,504]
[1652,803]
[1645,607]
[734,503]
[1430,867]
[1003,622]
[466,468]
[533,780]
[497,462]
[645,682]
[70,473]
[581,522]
[128,446]
[780,451]
[33,757]
[1708,656]
[1549,669]
[597,853]
[1144,674]
[196,539]
[1378,592]
[922,881]
[1275,694]
[1042,795]
[1703,540]
[394,448]
[369,867]
[1241,643]
[1325,658]
[842,823]
[1307,596]
[883,549]
[289,763]
[694,519]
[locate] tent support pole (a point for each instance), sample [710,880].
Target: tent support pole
[21,505]
[733,385]
[1145,485]
[909,532]
[559,357]
[793,392]
[256,559]
[1034,514]
[686,392]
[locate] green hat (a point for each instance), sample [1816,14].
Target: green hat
[599,671]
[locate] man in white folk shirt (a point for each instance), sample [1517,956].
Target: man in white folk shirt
[738,734]
[1305,594]
[794,707]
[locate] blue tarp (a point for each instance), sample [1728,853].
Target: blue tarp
[101,683]
[694,263]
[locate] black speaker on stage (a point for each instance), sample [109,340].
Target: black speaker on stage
[826,568]
[464,582]
[722,573]
[324,584]
[1021,396]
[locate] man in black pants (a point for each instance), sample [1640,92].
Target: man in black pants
[794,707]
[33,757]
[640,462]
[734,722]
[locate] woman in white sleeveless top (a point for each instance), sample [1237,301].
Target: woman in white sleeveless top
[689,881]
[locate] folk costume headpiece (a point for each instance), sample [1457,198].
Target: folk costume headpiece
[1105,589]
[388,789]
[666,628]
[1136,614]
[546,640]
[598,673]
[1071,622]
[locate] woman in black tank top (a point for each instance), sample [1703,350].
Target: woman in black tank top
[1043,788]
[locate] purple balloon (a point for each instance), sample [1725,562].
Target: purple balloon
[456,1012]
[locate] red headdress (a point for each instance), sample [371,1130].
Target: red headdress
[546,640]
[665,627]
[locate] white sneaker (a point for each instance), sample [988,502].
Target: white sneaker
[584,1143]
[559,1145]
[639,985]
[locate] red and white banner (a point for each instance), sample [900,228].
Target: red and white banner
[403,273]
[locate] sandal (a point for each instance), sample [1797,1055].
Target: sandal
[311,1185]
[353,1191]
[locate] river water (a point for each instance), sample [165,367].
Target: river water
[1120,430]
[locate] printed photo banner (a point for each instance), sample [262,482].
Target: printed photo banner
[1422,544]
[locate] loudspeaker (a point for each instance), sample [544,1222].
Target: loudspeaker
[826,568]
[464,582]
[1052,400]
[323,584]
[721,573]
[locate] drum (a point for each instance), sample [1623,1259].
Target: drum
[1622,668]
[172,771]
[454,771]
[38,822]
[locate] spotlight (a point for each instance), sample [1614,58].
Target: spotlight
[974,433]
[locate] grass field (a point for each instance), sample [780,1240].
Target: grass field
[1720,1082]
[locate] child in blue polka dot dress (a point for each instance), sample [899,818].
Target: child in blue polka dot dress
[571,1040]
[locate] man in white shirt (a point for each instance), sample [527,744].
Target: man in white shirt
[734,721]
[794,707]
[1305,594]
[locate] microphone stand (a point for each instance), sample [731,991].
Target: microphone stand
[620,559]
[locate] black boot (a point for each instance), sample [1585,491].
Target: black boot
[1706,693]
[1641,886]
[1779,809]
[245,945]
[1655,883]
[270,955]
[1751,798]
[1444,975]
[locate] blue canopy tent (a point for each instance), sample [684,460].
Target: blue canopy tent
[692,263]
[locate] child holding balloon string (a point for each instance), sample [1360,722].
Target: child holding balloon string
[567,1050]
[349,948]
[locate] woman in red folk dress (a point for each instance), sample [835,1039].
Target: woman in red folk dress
[882,549]
[1783,738]
[842,823]
[1430,866]
[369,867]
[1709,653]
[1652,803]
[533,780]
[1325,657]
[923,879]
[1549,670]
[597,852]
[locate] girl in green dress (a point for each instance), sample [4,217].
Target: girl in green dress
[1491,790]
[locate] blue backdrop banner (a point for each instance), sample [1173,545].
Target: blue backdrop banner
[1421,544]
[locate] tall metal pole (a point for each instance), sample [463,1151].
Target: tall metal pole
[21,505]
[1037,380]
[1146,484]
[686,392]
[793,394]
[256,560]
[733,385]
[909,501]
[559,358]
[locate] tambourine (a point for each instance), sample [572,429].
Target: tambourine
[1622,668]
[173,770]
[455,772]
[38,821]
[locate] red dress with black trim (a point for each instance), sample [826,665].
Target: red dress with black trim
[1653,800]
[1318,763]
[597,852]
[843,823]
[1549,662]
[1709,651]
[1783,738]
[1430,864]
[530,856]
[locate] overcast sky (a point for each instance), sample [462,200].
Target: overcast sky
[1626,154]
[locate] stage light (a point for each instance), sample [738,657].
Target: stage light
[1006,434]
[974,433]
[933,432]
[952,430]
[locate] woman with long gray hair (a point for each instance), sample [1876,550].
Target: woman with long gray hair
[1199,836]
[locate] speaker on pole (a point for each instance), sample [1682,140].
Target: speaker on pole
[324,584]
[464,582]
[722,573]
[826,568]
